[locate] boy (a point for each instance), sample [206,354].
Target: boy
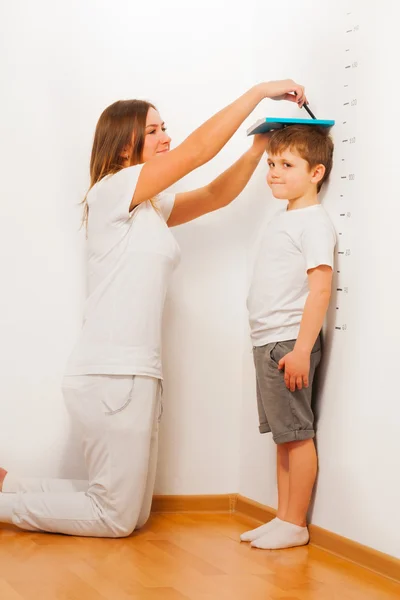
[288,300]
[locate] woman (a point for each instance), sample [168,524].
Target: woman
[112,386]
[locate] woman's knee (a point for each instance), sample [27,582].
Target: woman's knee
[114,529]
[113,523]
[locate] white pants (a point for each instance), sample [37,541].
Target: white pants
[118,417]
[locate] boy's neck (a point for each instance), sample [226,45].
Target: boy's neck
[309,199]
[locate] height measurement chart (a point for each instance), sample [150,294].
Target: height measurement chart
[346,148]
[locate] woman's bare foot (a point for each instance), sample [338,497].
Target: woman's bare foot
[3,473]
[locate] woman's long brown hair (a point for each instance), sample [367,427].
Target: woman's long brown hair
[113,135]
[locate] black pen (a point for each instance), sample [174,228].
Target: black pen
[309,111]
[305,106]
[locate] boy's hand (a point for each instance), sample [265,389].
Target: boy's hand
[297,369]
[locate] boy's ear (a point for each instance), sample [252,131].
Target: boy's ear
[317,173]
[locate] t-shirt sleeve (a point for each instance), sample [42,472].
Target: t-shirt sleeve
[119,190]
[318,245]
[165,204]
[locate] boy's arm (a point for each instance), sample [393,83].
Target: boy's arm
[221,191]
[297,362]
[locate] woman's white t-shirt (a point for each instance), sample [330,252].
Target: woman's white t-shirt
[130,259]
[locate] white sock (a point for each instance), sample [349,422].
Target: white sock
[253,534]
[7,502]
[284,535]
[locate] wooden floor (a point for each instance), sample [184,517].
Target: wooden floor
[177,557]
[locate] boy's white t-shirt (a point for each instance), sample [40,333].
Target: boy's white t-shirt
[130,257]
[293,242]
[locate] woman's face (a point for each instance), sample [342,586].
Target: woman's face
[157,141]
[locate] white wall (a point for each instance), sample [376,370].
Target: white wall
[61,65]
[358,492]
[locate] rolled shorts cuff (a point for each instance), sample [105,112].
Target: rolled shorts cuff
[294,436]
[264,428]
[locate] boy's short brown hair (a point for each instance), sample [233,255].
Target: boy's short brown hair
[312,143]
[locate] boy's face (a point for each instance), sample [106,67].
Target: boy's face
[290,176]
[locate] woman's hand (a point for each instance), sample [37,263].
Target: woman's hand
[260,142]
[286,89]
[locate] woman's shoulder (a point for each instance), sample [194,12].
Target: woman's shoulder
[126,176]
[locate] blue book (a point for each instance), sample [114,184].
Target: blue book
[270,123]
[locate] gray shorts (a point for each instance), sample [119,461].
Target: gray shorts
[288,415]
